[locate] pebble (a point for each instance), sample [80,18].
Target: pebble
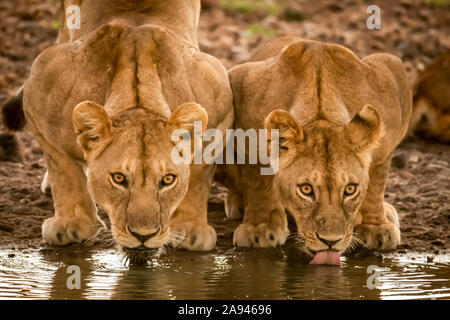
[413,159]
[36,165]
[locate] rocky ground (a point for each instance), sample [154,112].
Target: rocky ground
[415,30]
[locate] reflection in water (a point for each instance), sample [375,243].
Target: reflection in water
[230,274]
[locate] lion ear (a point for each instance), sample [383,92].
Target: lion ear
[91,123]
[365,129]
[186,115]
[189,118]
[292,54]
[289,131]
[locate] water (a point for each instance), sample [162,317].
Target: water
[224,274]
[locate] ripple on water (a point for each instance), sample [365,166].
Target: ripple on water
[262,274]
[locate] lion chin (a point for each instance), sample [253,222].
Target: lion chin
[139,256]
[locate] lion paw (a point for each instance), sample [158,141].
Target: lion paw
[379,237]
[61,231]
[262,235]
[194,237]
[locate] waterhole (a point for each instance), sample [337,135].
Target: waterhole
[223,274]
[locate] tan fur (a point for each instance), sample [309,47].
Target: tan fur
[105,99]
[339,120]
[431,107]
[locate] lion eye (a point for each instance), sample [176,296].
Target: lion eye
[119,178]
[168,180]
[306,189]
[350,189]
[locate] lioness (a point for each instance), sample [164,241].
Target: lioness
[431,100]
[339,119]
[103,103]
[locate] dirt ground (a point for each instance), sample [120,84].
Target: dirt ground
[415,30]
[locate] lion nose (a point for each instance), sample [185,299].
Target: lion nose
[328,241]
[143,238]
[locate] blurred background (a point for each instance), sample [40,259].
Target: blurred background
[415,30]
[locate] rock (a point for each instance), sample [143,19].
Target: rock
[6,228]
[399,161]
[438,242]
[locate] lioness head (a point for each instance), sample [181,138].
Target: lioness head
[131,174]
[323,175]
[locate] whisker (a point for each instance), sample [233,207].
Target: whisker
[358,240]
[354,243]
[125,260]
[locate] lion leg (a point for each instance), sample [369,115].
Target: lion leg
[379,228]
[233,205]
[228,175]
[190,221]
[265,222]
[76,218]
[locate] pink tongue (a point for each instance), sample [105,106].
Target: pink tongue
[327,257]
